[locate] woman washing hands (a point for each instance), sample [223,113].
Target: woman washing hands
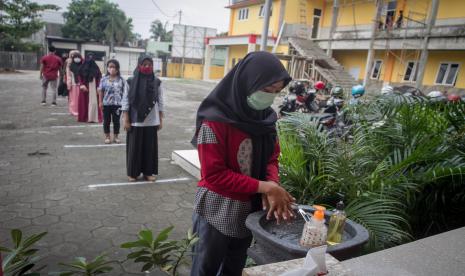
[238,151]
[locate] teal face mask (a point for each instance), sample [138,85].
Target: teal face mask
[260,100]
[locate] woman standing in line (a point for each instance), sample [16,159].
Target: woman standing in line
[73,64]
[142,108]
[90,75]
[111,91]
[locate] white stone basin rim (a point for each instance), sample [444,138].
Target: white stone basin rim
[346,249]
[188,160]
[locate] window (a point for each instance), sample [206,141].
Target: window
[411,71]
[316,22]
[243,14]
[261,13]
[447,73]
[376,71]
[390,12]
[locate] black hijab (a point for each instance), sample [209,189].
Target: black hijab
[89,70]
[143,91]
[228,103]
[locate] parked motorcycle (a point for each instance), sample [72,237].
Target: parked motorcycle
[303,98]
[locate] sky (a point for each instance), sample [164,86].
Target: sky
[204,13]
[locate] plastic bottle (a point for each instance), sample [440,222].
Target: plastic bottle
[314,232]
[337,222]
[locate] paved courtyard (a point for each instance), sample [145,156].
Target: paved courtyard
[53,178]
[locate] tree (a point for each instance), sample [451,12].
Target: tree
[20,19]
[97,20]
[159,32]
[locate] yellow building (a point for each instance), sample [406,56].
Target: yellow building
[403,49]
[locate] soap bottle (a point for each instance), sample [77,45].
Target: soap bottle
[336,224]
[314,232]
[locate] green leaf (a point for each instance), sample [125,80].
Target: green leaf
[136,254]
[193,241]
[4,249]
[30,252]
[33,239]
[146,235]
[163,235]
[168,268]
[16,235]
[139,243]
[76,265]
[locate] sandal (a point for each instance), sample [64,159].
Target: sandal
[116,140]
[107,140]
[150,178]
[132,179]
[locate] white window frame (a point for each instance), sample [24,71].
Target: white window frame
[319,22]
[413,73]
[449,64]
[373,69]
[261,11]
[243,14]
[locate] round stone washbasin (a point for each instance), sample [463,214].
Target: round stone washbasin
[276,243]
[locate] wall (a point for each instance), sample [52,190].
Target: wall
[254,23]
[400,67]
[19,60]
[236,52]
[65,45]
[193,71]
[352,59]
[364,13]
[155,46]
[436,57]
[216,72]
[451,9]
[127,61]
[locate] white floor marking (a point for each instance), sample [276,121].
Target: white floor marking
[59,113]
[169,180]
[78,126]
[94,146]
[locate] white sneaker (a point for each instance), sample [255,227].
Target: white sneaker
[43,103]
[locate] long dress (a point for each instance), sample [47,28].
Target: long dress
[94,113]
[83,106]
[88,110]
[73,88]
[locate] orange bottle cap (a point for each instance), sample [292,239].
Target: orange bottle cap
[319,213]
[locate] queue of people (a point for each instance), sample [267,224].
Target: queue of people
[93,98]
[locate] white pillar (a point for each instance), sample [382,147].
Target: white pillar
[334,17]
[207,61]
[371,51]
[252,42]
[266,23]
[226,62]
[424,47]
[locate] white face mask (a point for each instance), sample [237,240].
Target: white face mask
[77,60]
[261,100]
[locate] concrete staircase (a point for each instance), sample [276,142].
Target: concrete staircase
[327,67]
